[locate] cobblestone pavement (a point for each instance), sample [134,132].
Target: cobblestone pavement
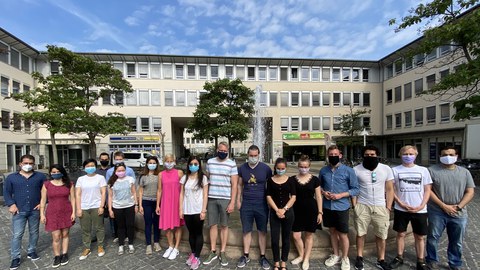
[139,260]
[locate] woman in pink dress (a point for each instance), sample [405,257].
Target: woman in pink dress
[168,196]
[59,215]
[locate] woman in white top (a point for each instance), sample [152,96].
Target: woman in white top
[193,207]
[122,205]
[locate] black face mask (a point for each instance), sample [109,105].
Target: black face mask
[104,163]
[222,155]
[370,163]
[334,160]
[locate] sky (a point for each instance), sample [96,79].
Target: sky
[327,29]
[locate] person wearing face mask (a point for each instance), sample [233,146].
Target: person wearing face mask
[412,184]
[252,203]
[22,193]
[168,205]
[147,196]
[119,157]
[373,204]
[281,196]
[308,211]
[104,160]
[59,216]
[123,205]
[338,183]
[453,188]
[90,198]
[223,181]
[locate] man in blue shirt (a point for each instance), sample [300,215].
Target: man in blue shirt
[22,193]
[339,183]
[119,157]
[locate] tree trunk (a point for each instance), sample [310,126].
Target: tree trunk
[230,147]
[54,148]
[92,146]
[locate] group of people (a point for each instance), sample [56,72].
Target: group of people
[295,205]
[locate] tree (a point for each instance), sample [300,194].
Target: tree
[459,27]
[224,111]
[350,127]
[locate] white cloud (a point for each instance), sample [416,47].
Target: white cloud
[106,51]
[138,15]
[148,48]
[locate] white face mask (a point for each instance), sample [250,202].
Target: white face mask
[27,168]
[252,160]
[448,160]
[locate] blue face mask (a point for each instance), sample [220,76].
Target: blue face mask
[152,166]
[281,172]
[90,170]
[193,168]
[56,175]
[222,155]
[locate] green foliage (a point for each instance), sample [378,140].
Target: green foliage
[458,25]
[351,125]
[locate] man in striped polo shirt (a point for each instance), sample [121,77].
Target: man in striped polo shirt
[222,189]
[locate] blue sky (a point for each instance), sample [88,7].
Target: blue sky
[340,29]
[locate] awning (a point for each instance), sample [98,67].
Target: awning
[304,142]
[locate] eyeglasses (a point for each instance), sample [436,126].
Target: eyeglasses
[374,177]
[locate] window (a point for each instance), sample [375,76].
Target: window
[305,123]
[14,58]
[398,120]
[305,74]
[337,120]
[214,72]
[445,113]
[143,70]
[430,81]
[366,121]
[107,100]
[398,94]
[294,74]
[389,96]
[326,99]
[418,117]
[408,63]
[143,98]
[326,123]
[336,74]
[26,88]
[273,99]
[444,49]
[356,74]
[294,98]
[408,118]
[366,99]
[346,74]
[5,119]
[315,74]
[325,74]
[154,70]
[316,123]
[431,56]
[192,98]
[305,99]
[398,67]
[418,59]
[157,124]
[284,99]
[356,99]
[179,72]
[418,86]
[336,99]
[191,72]
[284,123]
[180,98]
[27,125]
[168,98]
[15,87]
[272,73]
[131,98]
[25,63]
[389,122]
[145,124]
[283,74]
[251,73]
[241,72]
[294,123]
[365,73]
[389,71]
[17,122]
[54,68]
[316,99]
[4,86]
[4,53]
[347,99]
[155,101]
[229,72]
[431,115]
[167,71]
[407,91]
[130,70]
[132,122]
[119,67]
[203,72]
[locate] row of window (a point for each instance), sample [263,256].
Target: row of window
[145,124]
[15,88]
[11,56]
[14,122]
[251,73]
[315,123]
[407,121]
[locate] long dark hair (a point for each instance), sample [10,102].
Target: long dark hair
[278,161]
[114,177]
[199,172]
[65,179]
[145,170]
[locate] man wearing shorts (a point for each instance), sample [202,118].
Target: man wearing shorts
[222,189]
[338,183]
[252,203]
[412,184]
[373,204]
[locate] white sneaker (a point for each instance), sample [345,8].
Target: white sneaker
[131,249]
[332,260]
[120,250]
[345,264]
[148,250]
[173,255]
[157,247]
[297,260]
[167,252]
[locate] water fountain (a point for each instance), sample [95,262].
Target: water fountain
[259,121]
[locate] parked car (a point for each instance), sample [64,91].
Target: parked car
[137,159]
[469,164]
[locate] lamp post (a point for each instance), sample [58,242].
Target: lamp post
[364,133]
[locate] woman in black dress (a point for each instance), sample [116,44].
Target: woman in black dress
[307,209]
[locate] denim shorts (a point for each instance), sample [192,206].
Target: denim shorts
[252,211]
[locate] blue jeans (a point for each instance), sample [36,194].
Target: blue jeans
[151,218]
[456,226]
[18,228]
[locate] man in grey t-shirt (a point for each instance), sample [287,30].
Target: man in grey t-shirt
[453,189]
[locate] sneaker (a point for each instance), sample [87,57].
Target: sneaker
[195,263]
[242,262]
[120,250]
[15,264]
[126,239]
[345,264]
[157,247]
[422,266]
[85,254]
[297,260]
[149,250]
[56,261]
[383,265]
[33,256]
[264,263]
[173,255]
[64,259]
[305,265]
[189,260]
[223,259]
[115,240]
[332,260]
[101,251]
[131,249]
[167,252]
[396,262]
[211,257]
[359,263]
[433,266]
